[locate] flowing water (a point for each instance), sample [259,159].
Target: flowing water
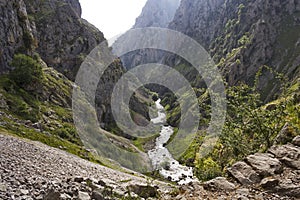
[160,156]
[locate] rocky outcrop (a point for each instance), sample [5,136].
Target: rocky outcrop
[52,28]
[16,31]
[244,173]
[276,171]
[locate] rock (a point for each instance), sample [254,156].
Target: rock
[105,191]
[296,141]
[83,196]
[290,190]
[287,150]
[144,191]
[52,195]
[65,196]
[291,162]
[285,135]
[244,173]
[219,183]
[269,183]
[102,183]
[97,195]
[242,192]
[264,164]
[3,188]
[37,126]
[288,154]
[78,179]
[24,192]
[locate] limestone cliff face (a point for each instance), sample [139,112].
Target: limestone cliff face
[156,13]
[16,31]
[244,35]
[52,28]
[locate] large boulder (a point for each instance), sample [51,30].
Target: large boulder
[219,183]
[264,164]
[244,173]
[288,154]
[144,191]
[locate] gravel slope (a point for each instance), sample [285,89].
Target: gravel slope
[31,170]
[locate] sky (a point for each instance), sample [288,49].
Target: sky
[112,17]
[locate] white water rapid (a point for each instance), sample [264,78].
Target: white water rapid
[160,156]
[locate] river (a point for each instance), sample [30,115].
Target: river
[160,156]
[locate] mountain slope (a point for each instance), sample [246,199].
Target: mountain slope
[243,35]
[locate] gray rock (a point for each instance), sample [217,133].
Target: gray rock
[52,195]
[144,191]
[219,183]
[3,188]
[269,183]
[296,141]
[37,126]
[293,163]
[242,191]
[83,196]
[65,196]
[78,179]
[290,190]
[285,135]
[24,192]
[288,154]
[264,164]
[244,173]
[97,195]
[287,150]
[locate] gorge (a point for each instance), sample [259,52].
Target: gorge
[256,47]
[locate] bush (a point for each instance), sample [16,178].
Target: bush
[26,71]
[207,169]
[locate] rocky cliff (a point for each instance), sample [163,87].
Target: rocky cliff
[156,13]
[52,28]
[243,35]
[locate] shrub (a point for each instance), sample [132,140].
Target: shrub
[26,71]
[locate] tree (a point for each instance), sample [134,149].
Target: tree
[26,71]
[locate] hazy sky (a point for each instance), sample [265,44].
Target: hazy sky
[112,17]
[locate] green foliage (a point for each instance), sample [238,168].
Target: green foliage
[207,169]
[19,101]
[251,126]
[29,41]
[244,40]
[26,71]
[140,142]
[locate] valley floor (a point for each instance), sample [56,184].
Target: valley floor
[31,170]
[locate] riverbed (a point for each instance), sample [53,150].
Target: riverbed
[160,156]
